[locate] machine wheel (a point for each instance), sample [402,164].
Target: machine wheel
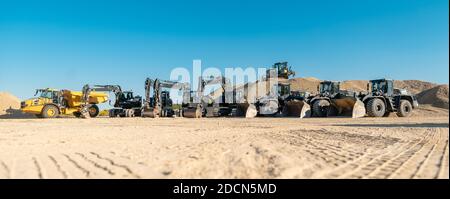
[320,108]
[405,109]
[50,111]
[94,110]
[375,107]
[130,113]
[77,114]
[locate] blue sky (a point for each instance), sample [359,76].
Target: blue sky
[65,44]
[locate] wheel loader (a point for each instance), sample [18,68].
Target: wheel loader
[383,99]
[281,70]
[161,104]
[52,103]
[332,101]
[280,100]
[216,104]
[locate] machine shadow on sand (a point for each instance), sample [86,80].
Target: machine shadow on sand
[16,114]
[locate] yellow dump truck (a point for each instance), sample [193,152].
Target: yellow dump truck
[51,103]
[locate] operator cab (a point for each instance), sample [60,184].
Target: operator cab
[328,87]
[48,94]
[126,95]
[284,89]
[382,86]
[281,69]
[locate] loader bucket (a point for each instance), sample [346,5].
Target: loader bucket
[247,110]
[152,113]
[251,111]
[192,112]
[349,106]
[297,108]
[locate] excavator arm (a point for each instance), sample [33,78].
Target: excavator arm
[86,91]
[154,109]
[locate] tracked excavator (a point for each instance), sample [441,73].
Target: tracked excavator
[216,104]
[332,101]
[161,104]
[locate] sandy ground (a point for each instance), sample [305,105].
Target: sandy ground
[414,147]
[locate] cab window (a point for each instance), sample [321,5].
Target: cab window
[46,94]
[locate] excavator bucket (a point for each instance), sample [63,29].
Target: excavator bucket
[192,112]
[348,106]
[247,110]
[297,108]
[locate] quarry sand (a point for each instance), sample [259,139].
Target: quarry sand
[415,147]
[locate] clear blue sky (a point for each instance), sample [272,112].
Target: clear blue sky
[65,44]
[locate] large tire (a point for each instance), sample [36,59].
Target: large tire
[129,112]
[375,107]
[77,114]
[320,108]
[50,111]
[93,110]
[405,109]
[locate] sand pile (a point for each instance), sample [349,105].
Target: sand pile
[436,96]
[308,84]
[355,85]
[7,102]
[414,86]
[10,107]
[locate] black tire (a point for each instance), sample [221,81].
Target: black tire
[50,111]
[375,107]
[77,114]
[320,108]
[130,113]
[387,114]
[93,110]
[405,109]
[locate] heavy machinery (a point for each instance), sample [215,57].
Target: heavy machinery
[383,98]
[161,104]
[87,108]
[280,101]
[281,69]
[125,104]
[53,102]
[296,105]
[332,101]
[218,103]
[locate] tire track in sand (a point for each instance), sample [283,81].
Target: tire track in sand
[383,165]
